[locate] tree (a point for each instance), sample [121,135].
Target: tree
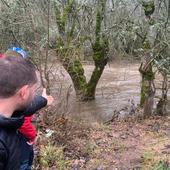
[156,57]
[146,67]
[69,50]
[21,28]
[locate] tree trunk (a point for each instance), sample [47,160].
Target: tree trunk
[147,82]
[91,86]
[76,72]
[84,90]
[161,106]
[148,105]
[100,49]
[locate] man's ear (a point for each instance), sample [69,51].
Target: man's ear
[23,92]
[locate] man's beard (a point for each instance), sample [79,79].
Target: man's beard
[24,105]
[21,109]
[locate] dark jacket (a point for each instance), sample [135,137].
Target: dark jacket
[9,137]
[37,103]
[9,143]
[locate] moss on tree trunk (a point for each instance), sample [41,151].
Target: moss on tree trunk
[100,49]
[84,90]
[91,86]
[147,89]
[76,72]
[146,84]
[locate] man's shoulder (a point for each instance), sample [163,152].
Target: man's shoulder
[9,141]
[4,148]
[3,143]
[3,134]
[7,136]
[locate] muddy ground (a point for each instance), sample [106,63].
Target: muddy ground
[82,140]
[122,145]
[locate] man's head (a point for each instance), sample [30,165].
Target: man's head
[18,80]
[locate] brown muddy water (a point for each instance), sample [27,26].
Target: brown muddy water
[117,89]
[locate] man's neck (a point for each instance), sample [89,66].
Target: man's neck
[6,108]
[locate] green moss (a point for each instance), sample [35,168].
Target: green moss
[149,7]
[98,26]
[61,17]
[91,86]
[76,72]
[74,66]
[151,21]
[146,45]
[147,77]
[142,98]
[100,59]
[100,49]
[144,91]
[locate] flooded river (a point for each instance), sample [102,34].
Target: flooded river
[117,88]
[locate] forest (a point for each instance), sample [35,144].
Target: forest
[107,65]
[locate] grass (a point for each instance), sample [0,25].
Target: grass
[151,162]
[52,156]
[162,165]
[117,144]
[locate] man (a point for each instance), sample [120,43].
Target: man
[18,82]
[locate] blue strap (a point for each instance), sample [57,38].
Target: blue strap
[19,51]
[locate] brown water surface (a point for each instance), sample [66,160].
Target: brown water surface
[118,86]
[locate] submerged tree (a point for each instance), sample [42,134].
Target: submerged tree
[68,47]
[146,70]
[146,67]
[156,58]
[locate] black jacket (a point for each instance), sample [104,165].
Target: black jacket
[10,139]
[37,103]
[9,143]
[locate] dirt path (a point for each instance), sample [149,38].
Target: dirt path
[129,145]
[121,145]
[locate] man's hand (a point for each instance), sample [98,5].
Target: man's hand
[50,99]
